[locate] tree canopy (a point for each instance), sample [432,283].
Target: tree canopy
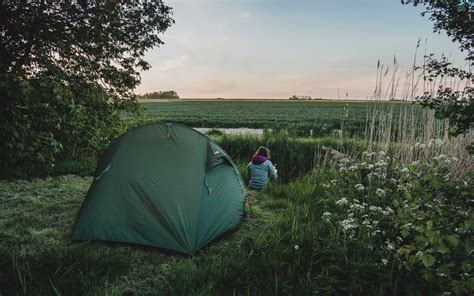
[67,68]
[83,42]
[454,17]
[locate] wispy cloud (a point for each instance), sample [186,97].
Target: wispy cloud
[174,63]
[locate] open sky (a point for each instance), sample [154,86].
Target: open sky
[276,48]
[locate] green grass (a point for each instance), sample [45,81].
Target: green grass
[285,247]
[38,258]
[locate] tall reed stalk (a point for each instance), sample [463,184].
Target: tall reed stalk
[412,134]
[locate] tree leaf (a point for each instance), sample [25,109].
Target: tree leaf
[428,260]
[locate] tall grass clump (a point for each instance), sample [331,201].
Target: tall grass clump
[413,134]
[294,156]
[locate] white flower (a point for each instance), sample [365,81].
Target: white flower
[380,192]
[360,187]
[384,262]
[326,215]
[347,224]
[404,170]
[375,175]
[435,143]
[342,201]
[345,160]
[297,247]
[390,245]
[357,207]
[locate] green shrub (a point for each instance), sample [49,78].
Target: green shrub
[400,222]
[42,121]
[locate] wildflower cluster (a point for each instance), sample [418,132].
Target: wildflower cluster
[415,215]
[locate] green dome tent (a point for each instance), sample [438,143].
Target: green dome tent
[163,185]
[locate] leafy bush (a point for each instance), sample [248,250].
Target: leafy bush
[415,221]
[42,120]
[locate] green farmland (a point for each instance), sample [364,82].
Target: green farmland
[323,117]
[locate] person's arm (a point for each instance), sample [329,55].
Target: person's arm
[248,170]
[272,170]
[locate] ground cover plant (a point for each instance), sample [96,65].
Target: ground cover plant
[362,226]
[341,219]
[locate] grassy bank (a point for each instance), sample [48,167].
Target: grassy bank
[346,228]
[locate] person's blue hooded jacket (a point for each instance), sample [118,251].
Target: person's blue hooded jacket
[260,169]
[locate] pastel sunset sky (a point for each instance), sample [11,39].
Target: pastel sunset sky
[276,48]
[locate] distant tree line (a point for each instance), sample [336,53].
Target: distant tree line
[295,97]
[171,94]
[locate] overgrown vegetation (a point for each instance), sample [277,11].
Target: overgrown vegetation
[391,222]
[374,226]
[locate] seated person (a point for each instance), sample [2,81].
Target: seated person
[260,169]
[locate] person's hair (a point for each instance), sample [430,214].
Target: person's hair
[263,151]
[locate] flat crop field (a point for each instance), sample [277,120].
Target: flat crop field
[323,117]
